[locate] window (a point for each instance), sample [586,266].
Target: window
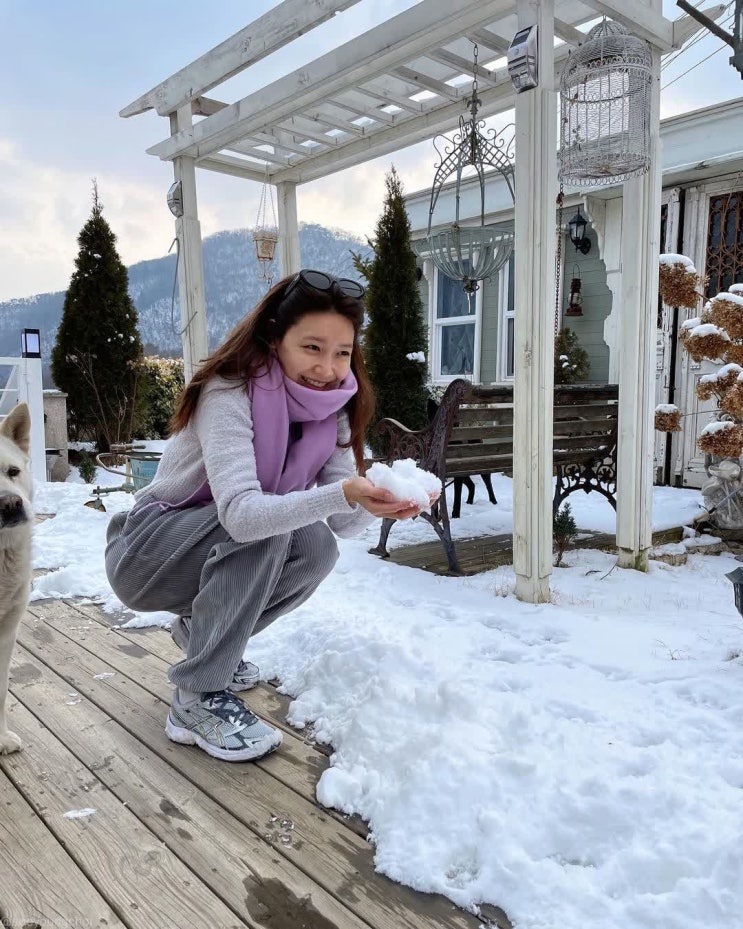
[455,330]
[724,263]
[507,323]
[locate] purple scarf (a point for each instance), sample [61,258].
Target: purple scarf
[277,402]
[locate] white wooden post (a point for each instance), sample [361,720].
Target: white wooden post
[190,262]
[534,261]
[34,397]
[290,260]
[637,326]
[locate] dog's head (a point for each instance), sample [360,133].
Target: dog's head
[15,477]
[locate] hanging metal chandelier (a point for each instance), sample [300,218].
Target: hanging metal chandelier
[470,253]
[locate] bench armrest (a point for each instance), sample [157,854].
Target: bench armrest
[404,442]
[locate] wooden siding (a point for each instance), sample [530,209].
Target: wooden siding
[596,304]
[491,335]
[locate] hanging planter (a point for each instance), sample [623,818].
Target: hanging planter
[266,232]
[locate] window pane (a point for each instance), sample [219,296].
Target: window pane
[458,349]
[509,346]
[452,300]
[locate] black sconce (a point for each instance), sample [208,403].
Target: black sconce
[577,233]
[30,343]
[737,580]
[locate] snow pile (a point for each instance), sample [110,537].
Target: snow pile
[707,329]
[735,289]
[670,259]
[405,481]
[416,356]
[666,408]
[718,427]
[691,323]
[727,297]
[721,373]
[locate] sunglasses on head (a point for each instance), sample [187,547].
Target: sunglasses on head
[319,280]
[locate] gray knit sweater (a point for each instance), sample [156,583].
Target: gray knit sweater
[218,444]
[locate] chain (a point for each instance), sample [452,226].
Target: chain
[558,258]
[474,102]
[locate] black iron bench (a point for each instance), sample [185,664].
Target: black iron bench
[472,433]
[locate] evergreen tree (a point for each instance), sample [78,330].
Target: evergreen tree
[395,319]
[571,359]
[564,531]
[97,354]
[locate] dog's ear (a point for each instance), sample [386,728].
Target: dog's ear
[17,426]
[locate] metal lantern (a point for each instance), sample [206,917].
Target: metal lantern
[605,108]
[266,232]
[575,302]
[470,253]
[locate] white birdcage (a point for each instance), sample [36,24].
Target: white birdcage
[605,108]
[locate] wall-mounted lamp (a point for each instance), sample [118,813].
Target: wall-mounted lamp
[30,343]
[577,233]
[175,199]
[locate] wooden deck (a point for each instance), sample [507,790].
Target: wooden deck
[487,552]
[177,839]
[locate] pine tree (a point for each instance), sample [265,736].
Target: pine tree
[564,531]
[97,353]
[395,319]
[571,359]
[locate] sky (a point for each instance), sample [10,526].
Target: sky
[592,745]
[68,68]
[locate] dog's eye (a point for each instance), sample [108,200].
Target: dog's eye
[13,471]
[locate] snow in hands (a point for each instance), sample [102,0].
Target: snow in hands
[406,481]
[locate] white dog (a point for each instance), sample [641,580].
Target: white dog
[16,520]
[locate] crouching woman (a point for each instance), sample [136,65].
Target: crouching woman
[236,529]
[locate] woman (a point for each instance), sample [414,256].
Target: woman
[267,439]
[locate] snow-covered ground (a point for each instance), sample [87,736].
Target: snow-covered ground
[578,763]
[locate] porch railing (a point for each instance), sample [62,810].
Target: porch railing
[24,386]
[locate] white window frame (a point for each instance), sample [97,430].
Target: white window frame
[435,325]
[505,313]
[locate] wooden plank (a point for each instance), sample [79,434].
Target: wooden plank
[297,765]
[250,879]
[266,34]
[327,851]
[39,878]
[132,869]
[641,20]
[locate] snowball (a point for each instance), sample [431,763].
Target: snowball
[416,356]
[666,408]
[405,480]
[671,259]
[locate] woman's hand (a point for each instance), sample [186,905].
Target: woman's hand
[377,501]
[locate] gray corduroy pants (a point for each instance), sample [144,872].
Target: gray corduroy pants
[184,561]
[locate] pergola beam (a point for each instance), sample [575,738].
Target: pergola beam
[269,32]
[406,132]
[462,65]
[236,167]
[426,25]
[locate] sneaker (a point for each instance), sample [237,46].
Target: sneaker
[221,725]
[246,676]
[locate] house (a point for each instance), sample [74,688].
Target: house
[701,216]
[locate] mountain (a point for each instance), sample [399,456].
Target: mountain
[232,283]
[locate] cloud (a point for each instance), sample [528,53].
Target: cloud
[45,207]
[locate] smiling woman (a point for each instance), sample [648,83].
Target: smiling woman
[236,529]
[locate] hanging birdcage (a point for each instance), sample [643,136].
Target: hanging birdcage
[266,232]
[470,253]
[605,108]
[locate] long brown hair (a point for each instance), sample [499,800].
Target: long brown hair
[247,349]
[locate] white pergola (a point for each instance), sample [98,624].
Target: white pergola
[401,83]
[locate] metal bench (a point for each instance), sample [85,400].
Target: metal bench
[472,433]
